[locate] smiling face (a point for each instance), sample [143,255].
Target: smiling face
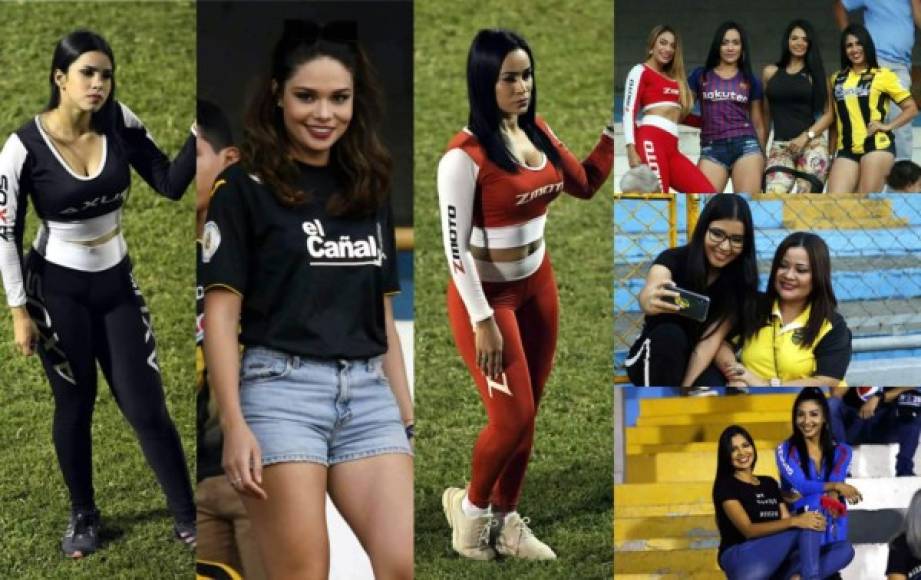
[798,42]
[724,242]
[663,50]
[515,82]
[87,83]
[854,50]
[809,419]
[317,102]
[793,279]
[731,47]
[743,453]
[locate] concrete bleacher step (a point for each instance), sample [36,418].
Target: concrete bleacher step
[667,562]
[677,406]
[682,576]
[641,528]
[668,544]
[736,417]
[869,461]
[685,466]
[835,213]
[708,446]
[655,434]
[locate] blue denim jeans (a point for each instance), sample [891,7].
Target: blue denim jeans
[883,427]
[727,151]
[781,555]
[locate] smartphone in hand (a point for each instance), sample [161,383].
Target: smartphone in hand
[693,305]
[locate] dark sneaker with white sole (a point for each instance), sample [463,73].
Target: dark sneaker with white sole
[81,537]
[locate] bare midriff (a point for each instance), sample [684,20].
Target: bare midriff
[505,254]
[670,113]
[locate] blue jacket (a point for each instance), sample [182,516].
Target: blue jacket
[811,486]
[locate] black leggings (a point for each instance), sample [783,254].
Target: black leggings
[663,353]
[84,317]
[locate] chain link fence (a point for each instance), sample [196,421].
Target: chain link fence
[874,240]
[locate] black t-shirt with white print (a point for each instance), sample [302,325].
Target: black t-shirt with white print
[902,561]
[312,284]
[761,502]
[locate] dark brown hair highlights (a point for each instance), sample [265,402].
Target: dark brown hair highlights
[360,155]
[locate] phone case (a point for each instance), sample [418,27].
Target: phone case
[693,305]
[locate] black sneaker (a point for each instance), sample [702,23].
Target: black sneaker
[82,535]
[187,533]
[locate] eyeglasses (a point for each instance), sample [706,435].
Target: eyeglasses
[718,236]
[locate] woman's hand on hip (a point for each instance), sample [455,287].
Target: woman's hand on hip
[242,460]
[488,340]
[25,333]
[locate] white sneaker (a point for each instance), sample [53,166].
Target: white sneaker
[516,540]
[469,535]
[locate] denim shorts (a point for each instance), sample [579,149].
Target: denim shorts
[729,150]
[319,410]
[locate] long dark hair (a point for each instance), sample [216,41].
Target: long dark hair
[69,49]
[484,62]
[822,298]
[361,157]
[738,281]
[812,62]
[798,442]
[724,468]
[713,57]
[863,36]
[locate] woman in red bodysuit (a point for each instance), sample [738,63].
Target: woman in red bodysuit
[656,99]
[494,184]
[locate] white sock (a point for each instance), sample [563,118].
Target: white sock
[472,511]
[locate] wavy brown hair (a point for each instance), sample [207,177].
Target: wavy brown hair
[359,155]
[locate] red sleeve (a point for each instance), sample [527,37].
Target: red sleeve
[582,179]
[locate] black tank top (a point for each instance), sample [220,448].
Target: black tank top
[790,97]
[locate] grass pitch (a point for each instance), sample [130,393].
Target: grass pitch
[154,46]
[567,492]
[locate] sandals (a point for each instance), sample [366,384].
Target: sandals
[186,533]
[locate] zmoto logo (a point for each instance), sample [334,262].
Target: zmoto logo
[553,188]
[452,234]
[652,160]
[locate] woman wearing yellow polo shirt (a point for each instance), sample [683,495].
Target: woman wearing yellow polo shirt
[803,339]
[863,93]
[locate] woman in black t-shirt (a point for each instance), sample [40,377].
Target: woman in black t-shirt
[299,254]
[905,550]
[758,536]
[718,262]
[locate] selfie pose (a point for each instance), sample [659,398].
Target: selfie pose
[74,299]
[715,272]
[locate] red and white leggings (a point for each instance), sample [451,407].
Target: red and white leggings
[658,148]
[527,312]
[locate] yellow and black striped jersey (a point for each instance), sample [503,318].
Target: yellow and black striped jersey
[860,99]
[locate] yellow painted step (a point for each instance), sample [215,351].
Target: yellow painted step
[646,494]
[685,467]
[708,446]
[672,434]
[664,510]
[843,222]
[667,544]
[706,405]
[787,197]
[700,526]
[725,418]
[671,562]
[683,576]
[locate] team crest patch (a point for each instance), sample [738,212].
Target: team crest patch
[798,335]
[210,241]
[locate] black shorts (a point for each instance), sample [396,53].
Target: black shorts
[844,153]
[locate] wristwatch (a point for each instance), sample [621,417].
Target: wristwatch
[811,134]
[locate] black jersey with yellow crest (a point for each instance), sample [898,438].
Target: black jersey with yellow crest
[312,284]
[861,98]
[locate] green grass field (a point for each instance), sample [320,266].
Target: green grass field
[154,46]
[567,493]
